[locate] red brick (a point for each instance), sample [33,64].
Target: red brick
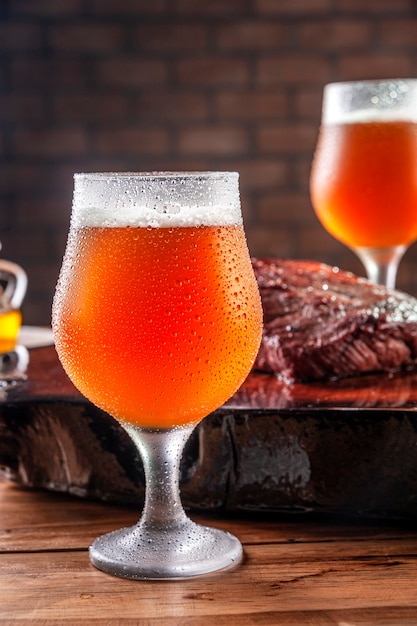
[42,280]
[287,139]
[6,208]
[82,107]
[212,140]
[252,35]
[284,208]
[406,277]
[25,244]
[183,84]
[130,140]
[274,241]
[294,7]
[317,242]
[213,8]
[34,310]
[128,7]
[252,105]
[10,244]
[398,33]
[50,142]
[301,173]
[13,173]
[307,103]
[334,34]
[22,106]
[213,71]
[183,163]
[293,69]
[17,37]
[171,36]
[46,208]
[55,72]
[39,175]
[375,6]
[170,105]
[131,72]
[261,173]
[44,8]
[86,37]
[375,65]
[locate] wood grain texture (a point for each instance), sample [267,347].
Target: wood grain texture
[346,447]
[296,571]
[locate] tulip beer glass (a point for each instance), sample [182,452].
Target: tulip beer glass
[157,320]
[364,174]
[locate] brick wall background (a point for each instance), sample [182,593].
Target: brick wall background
[106,85]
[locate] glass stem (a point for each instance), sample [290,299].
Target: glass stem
[381,264]
[161,452]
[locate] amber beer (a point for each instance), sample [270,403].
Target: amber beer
[157,325]
[10,323]
[13,284]
[364,182]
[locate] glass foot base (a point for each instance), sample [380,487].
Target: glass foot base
[171,553]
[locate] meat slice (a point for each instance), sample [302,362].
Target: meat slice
[322,323]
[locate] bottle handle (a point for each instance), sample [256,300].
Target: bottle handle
[15,279]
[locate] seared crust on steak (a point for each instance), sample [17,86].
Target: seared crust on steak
[324,323]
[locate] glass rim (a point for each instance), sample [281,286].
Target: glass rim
[156,175]
[371,81]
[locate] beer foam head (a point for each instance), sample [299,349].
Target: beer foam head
[370,101]
[156,199]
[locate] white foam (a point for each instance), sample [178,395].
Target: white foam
[159,200]
[369,115]
[370,101]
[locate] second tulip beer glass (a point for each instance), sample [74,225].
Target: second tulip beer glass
[364,175]
[157,320]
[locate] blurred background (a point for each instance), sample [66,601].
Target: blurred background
[117,85]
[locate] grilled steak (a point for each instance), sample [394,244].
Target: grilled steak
[324,323]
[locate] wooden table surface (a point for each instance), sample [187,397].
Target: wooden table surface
[297,570]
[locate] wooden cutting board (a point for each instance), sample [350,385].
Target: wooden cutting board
[347,447]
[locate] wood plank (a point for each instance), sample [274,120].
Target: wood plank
[44,585]
[385,616]
[34,521]
[294,572]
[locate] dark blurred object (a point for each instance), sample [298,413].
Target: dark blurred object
[13,366]
[13,285]
[346,447]
[13,363]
